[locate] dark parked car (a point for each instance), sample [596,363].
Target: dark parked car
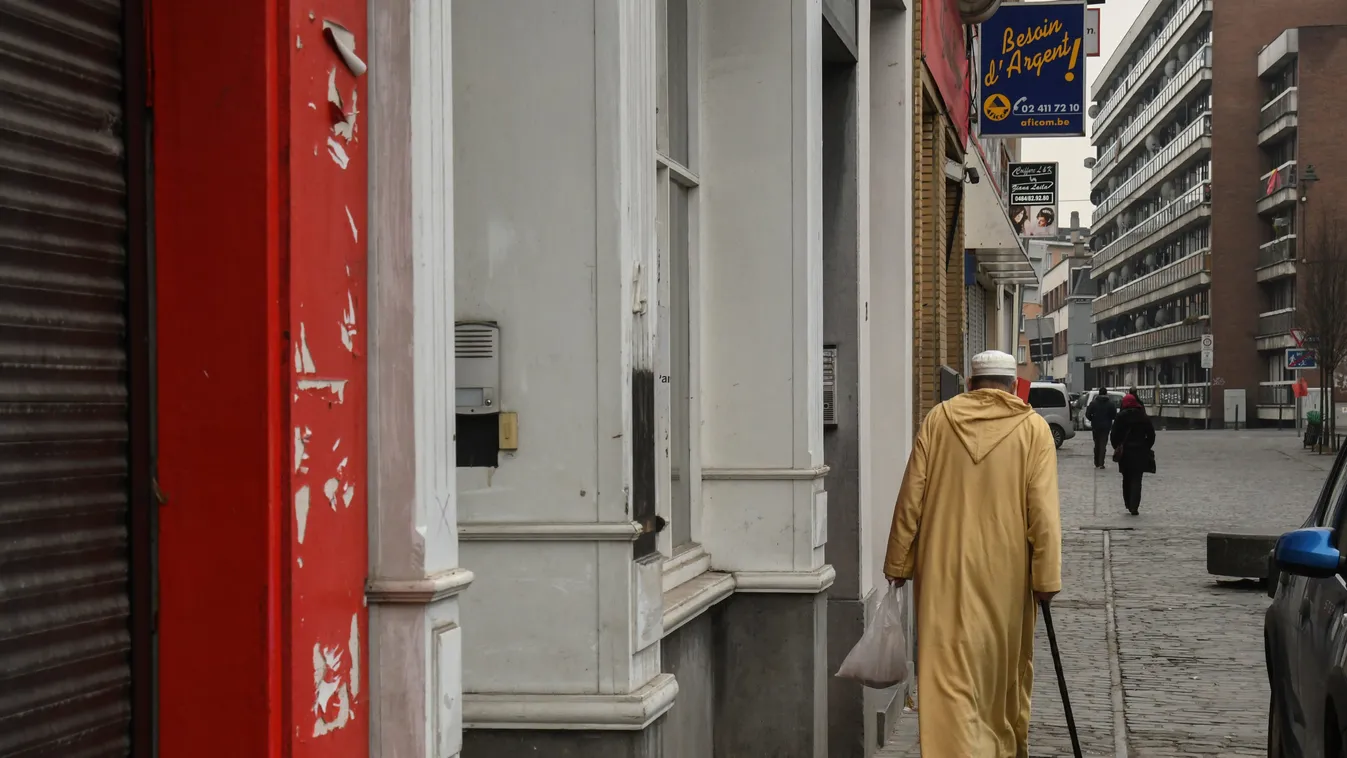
[1305,631]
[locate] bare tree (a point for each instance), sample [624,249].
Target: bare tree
[1323,307]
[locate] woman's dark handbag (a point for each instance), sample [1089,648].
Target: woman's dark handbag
[1118,451]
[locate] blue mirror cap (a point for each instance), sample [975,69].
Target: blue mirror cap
[1308,552]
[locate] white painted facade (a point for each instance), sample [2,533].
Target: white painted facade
[532,182]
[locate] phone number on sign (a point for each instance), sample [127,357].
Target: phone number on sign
[1022,108]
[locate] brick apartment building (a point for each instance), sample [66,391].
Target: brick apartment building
[1178,256]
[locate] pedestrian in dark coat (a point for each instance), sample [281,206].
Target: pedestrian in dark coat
[1133,438]
[1101,413]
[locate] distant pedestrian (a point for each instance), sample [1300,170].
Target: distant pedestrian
[1133,439]
[978,526]
[1133,392]
[1101,413]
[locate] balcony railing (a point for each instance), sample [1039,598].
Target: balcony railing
[1284,104]
[1276,323]
[1105,159]
[1151,339]
[1276,394]
[1276,180]
[1175,395]
[1201,127]
[1156,280]
[1276,251]
[1194,198]
[1143,65]
[1200,60]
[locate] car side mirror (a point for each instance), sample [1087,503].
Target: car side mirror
[1309,553]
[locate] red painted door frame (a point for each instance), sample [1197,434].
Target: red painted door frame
[260,196]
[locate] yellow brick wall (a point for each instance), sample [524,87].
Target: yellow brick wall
[939,307]
[921,131]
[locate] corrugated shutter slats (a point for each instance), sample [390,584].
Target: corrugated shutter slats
[65,677]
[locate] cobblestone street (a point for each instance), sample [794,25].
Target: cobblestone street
[1162,659]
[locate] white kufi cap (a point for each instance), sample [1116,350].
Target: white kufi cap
[994,363]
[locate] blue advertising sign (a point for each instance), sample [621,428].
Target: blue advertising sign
[1032,70]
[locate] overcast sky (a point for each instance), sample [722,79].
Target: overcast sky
[1114,20]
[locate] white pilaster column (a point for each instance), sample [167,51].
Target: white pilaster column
[554,134]
[765,509]
[415,645]
[891,286]
[890,181]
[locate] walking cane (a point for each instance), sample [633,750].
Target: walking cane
[1061,677]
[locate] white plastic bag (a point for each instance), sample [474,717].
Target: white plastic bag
[879,660]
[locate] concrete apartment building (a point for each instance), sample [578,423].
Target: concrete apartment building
[1176,255]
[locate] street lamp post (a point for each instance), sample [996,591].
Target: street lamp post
[1301,225]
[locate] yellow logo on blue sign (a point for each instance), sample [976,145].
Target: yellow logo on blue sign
[996,108]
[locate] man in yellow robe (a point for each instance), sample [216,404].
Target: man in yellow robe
[978,527]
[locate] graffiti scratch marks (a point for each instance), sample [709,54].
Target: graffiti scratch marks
[302,512]
[348,323]
[327,684]
[330,492]
[335,386]
[338,153]
[305,358]
[355,655]
[355,233]
[330,683]
[302,437]
[344,126]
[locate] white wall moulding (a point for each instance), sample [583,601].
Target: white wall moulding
[764,474]
[424,591]
[788,582]
[616,531]
[692,598]
[630,712]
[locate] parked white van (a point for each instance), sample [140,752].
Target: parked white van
[1053,403]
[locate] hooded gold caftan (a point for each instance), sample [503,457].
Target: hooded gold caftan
[978,527]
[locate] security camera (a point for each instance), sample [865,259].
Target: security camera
[972,175]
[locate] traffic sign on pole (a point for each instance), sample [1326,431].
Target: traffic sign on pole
[1300,359]
[1299,336]
[1208,351]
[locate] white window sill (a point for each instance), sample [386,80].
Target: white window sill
[694,597]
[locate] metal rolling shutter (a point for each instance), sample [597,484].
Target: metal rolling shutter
[977,320]
[65,675]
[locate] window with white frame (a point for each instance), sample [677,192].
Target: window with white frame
[676,212]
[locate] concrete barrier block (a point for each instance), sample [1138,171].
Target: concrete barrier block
[1239,556]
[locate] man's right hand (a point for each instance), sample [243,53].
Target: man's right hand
[1044,597]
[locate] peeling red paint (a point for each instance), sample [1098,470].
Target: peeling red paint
[260,283]
[328,708]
